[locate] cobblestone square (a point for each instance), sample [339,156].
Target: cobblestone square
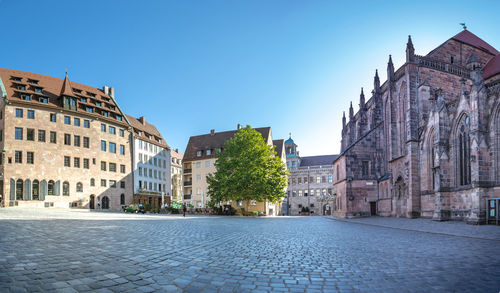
[77,251]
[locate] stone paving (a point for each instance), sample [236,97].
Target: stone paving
[67,251]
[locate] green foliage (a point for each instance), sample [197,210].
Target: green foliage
[255,213]
[147,207]
[247,170]
[131,208]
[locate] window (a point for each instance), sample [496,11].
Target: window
[122,132]
[299,180]
[76,140]
[103,182]
[67,120]
[112,167]
[53,137]
[1,135]
[294,164]
[31,114]
[198,153]
[122,199]
[19,189]
[365,165]
[150,173]
[318,179]
[30,134]
[83,100]
[19,113]
[140,171]
[38,90]
[76,162]
[112,130]
[66,188]
[41,135]
[118,117]
[198,165]
[323,179]
[86,164]
[198,178]
[155,174]
[43,100]
[209,152]
[330,179]
[76,121]
[312,192]
[26,97]
[103,145]
[86,123]
[19,133]
[207,164]
[463,151]
[112,147]
[140,158]
[86,142]
[18,157]
[50,188]
[67,139]
[155,161]
[30,157]
[92,182]
[53,117]
[79,187]
[122,184]
[67,161]
[112,183]
[122,169]
[89,109]
[122,149]
[300,192]
[103,166]
[103,127]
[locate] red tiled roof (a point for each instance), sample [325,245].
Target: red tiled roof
[67,89]
[467,37]
[492,67]
[145,129]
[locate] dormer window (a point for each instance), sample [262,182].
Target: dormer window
[106,99]
[77,91]
[91,94]
[33,81]
[83,100]
[150,137]
[21,87]
[198,153]
[38,90]
[118,117]
[98,104]
[89,109]
[105,113]
[140,132]
[26,97]
[66,101]
[209,152]
[73,102]
[43,100]
[15,78]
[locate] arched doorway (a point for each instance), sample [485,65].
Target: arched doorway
[400,197]
[92,202]
[327,211]
[105,203]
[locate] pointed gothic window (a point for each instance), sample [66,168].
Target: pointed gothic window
[463,151]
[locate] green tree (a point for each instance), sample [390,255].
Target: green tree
[248,169]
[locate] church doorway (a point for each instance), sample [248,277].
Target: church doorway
[400,197]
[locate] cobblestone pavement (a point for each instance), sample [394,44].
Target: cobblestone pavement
[66,251]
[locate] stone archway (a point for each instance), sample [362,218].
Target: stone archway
[92,202]
[400,198]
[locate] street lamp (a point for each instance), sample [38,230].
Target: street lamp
[308,192]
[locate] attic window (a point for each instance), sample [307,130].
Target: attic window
[451,59]
[77,91]
[105,113]
[83,100]
[198,153]
[106,99]
[150,136]
[118,117]
[43,100]
[26,97]
[15,78]
[21,87]
[89,109]
[38,90]
[98,104]
[33,81]
[140,132]
[91,94]
[209,152]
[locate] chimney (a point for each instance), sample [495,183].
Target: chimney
[112,92]
[239,126]
[212,132]
[142,120]
[106,90]
[176,150]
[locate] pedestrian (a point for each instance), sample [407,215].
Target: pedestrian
[184,210]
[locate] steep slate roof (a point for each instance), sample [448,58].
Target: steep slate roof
[492,67]
[52,87]
[211,142]
[145,129]
[467,37]
[278,143]
[318,160]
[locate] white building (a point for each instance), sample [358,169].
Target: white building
[151,164]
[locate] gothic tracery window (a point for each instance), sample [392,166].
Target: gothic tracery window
[463,151]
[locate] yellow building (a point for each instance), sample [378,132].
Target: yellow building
[199,161]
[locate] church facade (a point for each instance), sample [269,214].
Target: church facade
[427,141]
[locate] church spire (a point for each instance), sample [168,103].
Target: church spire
[343,121]
[376,82]
[390,69]
[361,100]
[351,112]
[410,51]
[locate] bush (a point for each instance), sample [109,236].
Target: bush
[255,213]
[147,207]
[131,208]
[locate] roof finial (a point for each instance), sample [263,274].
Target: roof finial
[290,134]
[66,72]
[463,25]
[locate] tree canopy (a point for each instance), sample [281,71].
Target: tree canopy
[247,169]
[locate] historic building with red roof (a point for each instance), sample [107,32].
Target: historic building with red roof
[427,141]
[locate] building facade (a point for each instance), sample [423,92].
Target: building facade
[310,184]
[64,144]
[176,174]
[151,164]
[199,161]
[426,144]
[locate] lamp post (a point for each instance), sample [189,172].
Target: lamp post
[308,192]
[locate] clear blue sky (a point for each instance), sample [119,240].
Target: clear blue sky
[192,66]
